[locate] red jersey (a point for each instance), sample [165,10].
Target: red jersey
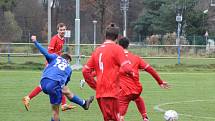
[56,45]
[128,84]
[106,60]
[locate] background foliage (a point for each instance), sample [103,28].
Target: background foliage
[145,18]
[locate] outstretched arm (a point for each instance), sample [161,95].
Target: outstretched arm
[48,56]
[155,75]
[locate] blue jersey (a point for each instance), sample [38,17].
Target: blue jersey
[58,68]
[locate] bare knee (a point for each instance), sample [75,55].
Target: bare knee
[67,92]
[121,118]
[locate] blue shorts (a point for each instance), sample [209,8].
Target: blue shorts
[53,89]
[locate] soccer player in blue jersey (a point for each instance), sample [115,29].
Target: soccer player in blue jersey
[54,79]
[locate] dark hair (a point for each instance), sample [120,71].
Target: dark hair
[60,25]
[124,42]
[67,57]
[111,32]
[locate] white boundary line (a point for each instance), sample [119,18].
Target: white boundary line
[190,73]
[157,107]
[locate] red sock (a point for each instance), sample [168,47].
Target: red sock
[63,101]
[35,92]
[141,106]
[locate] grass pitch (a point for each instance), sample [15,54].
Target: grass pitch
[191,95]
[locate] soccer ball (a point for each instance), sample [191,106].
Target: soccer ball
[171,115]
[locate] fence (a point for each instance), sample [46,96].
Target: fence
[28,49]
[10,50]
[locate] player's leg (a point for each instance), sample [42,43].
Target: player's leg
[76,99]
[141,107]
[33,93]
[65,106]
[63,101]
[53,89]
[109,107]
[124,101]
[55,112]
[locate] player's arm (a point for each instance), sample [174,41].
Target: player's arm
[68,78]
[145,66]
[48,56]
[88,74]
[89,78]
[126,67]
[125,64]
[94,73]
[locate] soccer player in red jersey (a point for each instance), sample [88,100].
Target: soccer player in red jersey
[106,61]
[55,46]
[131,88]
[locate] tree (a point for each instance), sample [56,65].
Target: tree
[194,27]
[149,23]
[31,18]
[11,32]
[160,17]
[104,11]
[7,5]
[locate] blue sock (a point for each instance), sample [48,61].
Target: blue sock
[53,119]
[77,100]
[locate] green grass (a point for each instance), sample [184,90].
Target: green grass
[160,64]
[185,87]
[152,61]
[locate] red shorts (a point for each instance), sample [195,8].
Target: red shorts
[109,107]
[124,101]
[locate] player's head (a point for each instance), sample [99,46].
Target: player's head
[61,28]
[112,32]
[124,42]
[67,56]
